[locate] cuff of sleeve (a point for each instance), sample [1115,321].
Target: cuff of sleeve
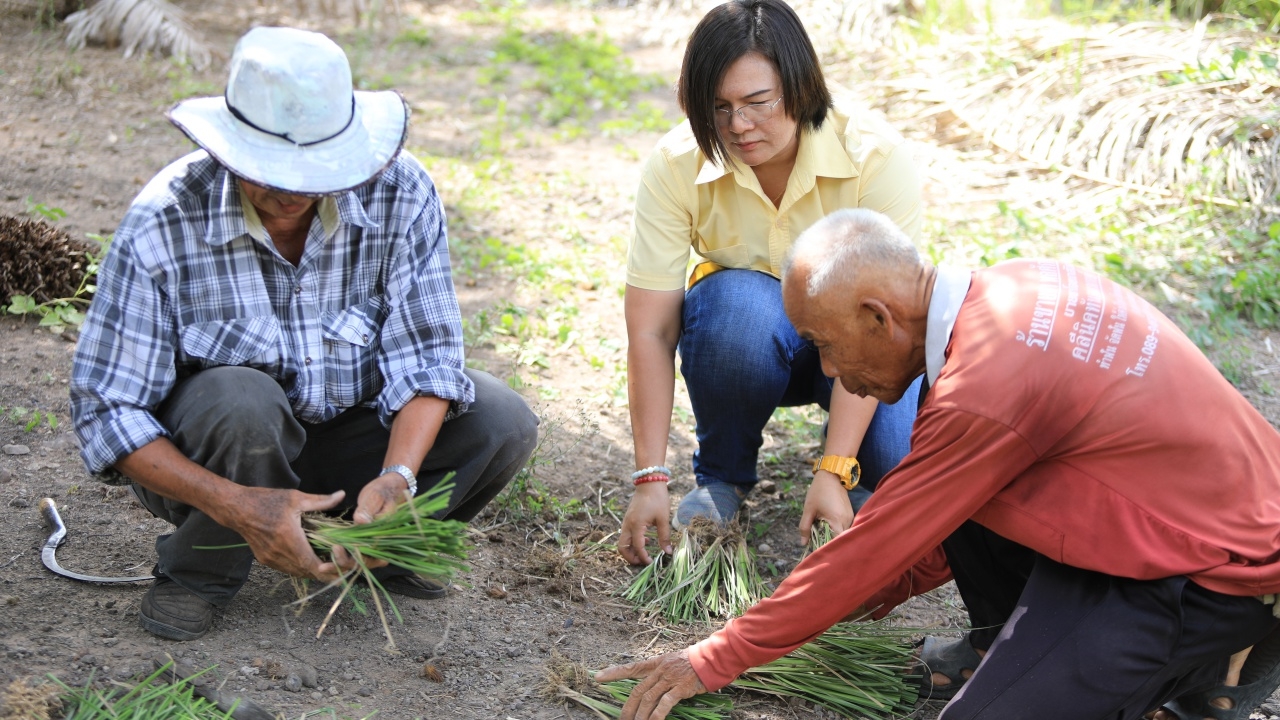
[117,438]
[443,382]
[651,282]
[707,658]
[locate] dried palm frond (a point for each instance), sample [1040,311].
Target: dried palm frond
[1160,109]
[141,26]
[862,24]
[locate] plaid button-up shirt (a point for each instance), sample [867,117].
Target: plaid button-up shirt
[367,318]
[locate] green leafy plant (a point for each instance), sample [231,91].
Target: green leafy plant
[29,419]
[1242,65]
[186,82]
[579,76]
[415,34]
[1249,285]
[58,313]
[39,209]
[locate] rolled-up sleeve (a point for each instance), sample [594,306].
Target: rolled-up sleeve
[123,364]
[421,346]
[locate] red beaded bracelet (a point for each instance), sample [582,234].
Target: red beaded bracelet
[653,477]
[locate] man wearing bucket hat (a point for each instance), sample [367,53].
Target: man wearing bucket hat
[275,332]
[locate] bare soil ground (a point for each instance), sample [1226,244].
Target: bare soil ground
[83,131]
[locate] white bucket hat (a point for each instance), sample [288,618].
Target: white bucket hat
[290,120]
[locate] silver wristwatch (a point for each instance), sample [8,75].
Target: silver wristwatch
[405,473]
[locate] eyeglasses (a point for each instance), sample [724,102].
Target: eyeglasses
[751,113]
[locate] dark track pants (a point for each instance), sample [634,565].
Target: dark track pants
[1079,645]
[237,422]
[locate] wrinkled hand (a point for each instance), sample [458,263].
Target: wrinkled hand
[664,681]
[826,500]
[650,507]
[270,521]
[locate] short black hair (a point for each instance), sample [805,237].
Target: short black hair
[731,30]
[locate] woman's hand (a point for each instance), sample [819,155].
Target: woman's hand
[826,500]
[653,329]
[650,507]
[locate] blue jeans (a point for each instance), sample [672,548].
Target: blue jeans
[742,359]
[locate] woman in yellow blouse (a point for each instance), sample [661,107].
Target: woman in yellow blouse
[764,154]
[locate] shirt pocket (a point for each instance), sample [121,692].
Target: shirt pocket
[251,342]
[734,256]
[351,373]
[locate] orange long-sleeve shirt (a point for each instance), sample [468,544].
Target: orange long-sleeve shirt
[1071,417]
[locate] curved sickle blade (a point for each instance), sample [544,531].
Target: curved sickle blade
[49,510]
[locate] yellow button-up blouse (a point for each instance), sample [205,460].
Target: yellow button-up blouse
[687,203]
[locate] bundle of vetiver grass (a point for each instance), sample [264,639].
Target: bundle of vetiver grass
[406,537]
[855,669]
[570,681]
[819,535]
[711,575]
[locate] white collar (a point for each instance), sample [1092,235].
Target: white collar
[950,286]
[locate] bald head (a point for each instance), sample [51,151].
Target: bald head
[850,246]
[854,285]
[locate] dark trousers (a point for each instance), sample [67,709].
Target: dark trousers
[1080,645]
[237,423]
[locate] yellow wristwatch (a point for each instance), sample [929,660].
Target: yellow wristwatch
[845,468]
